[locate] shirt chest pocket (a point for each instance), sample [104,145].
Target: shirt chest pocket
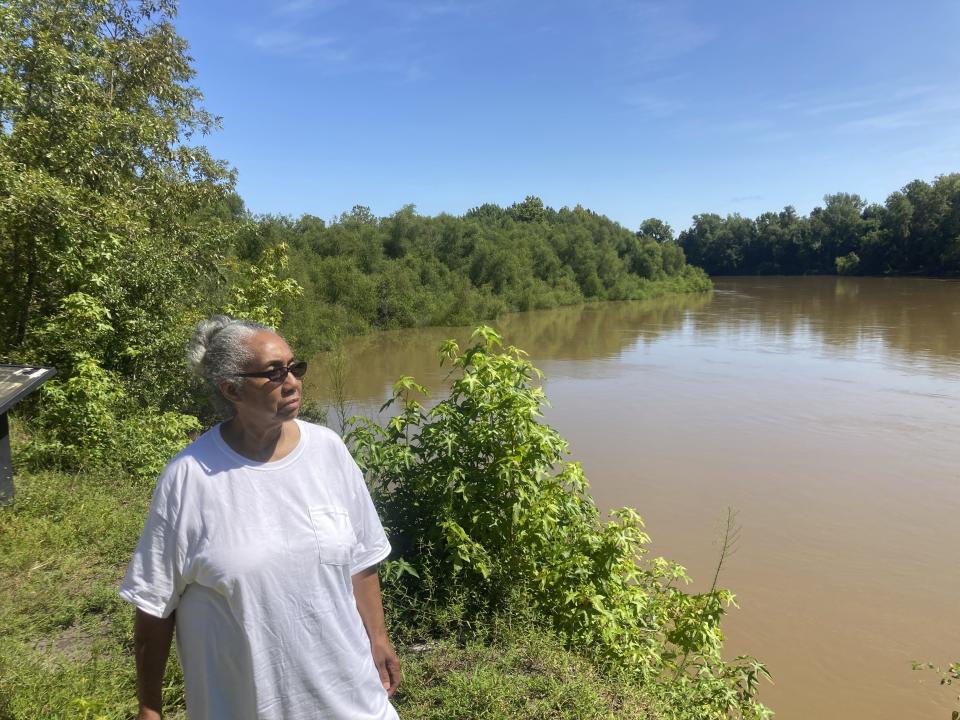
[334,531]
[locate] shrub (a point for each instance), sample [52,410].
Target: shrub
[848,264]
[484,511]
[89,420]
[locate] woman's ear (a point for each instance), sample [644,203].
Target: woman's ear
[230,391]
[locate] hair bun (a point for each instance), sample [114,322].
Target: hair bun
[218,352]
[202,337]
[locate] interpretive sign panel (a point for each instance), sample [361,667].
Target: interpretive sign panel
[16,383]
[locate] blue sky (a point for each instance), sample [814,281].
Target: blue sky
[633,109]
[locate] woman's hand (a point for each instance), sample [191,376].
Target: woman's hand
[366,591]
[388,664]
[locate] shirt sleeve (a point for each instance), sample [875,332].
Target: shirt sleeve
[154,580]
[372,545]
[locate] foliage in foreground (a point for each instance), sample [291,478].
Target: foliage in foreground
[484,511]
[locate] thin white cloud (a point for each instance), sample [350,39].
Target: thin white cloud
[653,35]
[751,124]
[837,107]
[306,7]
[408,70]
[666,30]
[943,153]
[875,108]
[911,112]
[873,98]
[415,11]
[300,45]
[775,136]
[653,105]
[398,49]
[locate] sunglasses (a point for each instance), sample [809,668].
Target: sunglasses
[298,369]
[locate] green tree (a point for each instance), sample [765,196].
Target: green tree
[848,264]
[697,239]
[720,245]
[838,228]
[655,229]
[115,226]
[97,183]
[530,210]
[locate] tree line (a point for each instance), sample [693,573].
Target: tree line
[916,231]
[361,272]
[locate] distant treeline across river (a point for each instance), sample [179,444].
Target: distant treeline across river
[916,231]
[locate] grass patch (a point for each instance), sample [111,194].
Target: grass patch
[523,674]
[65,634]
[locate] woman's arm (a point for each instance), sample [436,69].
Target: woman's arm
[366,590]
[151,646]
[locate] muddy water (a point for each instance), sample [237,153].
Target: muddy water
[826,411]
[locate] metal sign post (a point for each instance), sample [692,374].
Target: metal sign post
[16,383]
[6,462]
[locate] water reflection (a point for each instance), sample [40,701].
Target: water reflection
[907,321]
[601,331]
[918,319]
[583,333]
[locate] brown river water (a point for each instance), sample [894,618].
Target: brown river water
[826,411]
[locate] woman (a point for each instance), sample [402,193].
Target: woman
[261,548]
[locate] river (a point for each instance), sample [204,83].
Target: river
[825,411]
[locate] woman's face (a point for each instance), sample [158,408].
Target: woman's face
[261,400]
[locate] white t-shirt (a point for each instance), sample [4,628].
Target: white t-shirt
[257,559]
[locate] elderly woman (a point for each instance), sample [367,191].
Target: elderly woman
[261,549]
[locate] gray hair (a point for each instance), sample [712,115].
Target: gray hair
[218,351]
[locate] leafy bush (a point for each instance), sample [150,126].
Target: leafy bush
[848,264]
[485,513]
[89,420]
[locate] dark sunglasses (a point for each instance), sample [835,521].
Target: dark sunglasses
[298,369]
